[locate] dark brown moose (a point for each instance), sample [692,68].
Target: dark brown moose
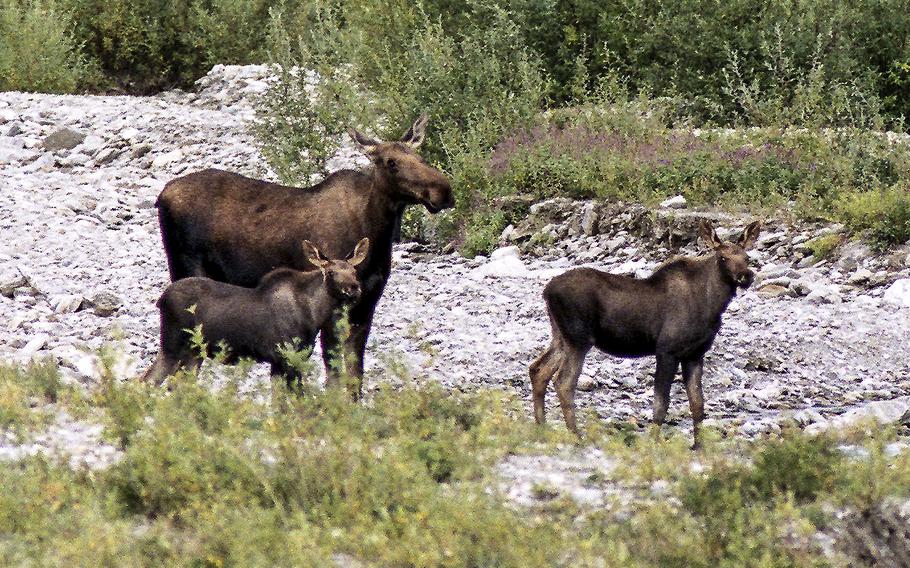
[673,314]
[235,229]
[287,306]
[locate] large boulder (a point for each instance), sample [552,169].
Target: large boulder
[63,139]
[898,294]
[881,411]
[504,263]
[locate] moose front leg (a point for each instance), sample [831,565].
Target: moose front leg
[355,349]
[663,379]
[692,372]
[291,375]
[343,347]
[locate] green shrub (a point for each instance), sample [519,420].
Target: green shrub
[409,478]
[476,84]
[822,247]
[146,46]
[884,214]
[26,392]
[38,51]
[531,99]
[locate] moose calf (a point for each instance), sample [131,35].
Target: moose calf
[673,314]
[253,322]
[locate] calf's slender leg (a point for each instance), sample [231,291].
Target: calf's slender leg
[279,369]
[692,372]
[566,380]
[663,379]
[160,369]
[542,371]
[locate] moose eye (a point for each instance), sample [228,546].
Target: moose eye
[392,165]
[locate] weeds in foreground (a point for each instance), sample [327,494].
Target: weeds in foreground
[25,394]
[210,477]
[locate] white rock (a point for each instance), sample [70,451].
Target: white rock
[860,276]
[504,252]
[880,411]
[586,383]
[503,267]
[676,202]
[807,416]
[898,293]
[65,303]
[167,158]
[895,449]
[129,134]
[825,294]
[589,219]
[34,345]
[76,159]
[91,144]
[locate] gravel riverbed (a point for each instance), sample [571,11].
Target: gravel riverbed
[81,264]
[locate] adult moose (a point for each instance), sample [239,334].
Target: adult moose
[674,314]
[235,229]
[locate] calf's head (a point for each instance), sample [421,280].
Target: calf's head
[340,276]
[731,257]
[410,179]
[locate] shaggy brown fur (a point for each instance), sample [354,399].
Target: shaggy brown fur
[287,305]
[235,229]
[673,314]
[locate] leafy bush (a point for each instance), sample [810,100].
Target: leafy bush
[476,84]
[24,394]
[214,477]
[38,51]
[884,213]
[147,46]
[823,246]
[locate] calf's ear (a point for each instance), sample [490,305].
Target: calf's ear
[314,256]
[360,252]
[750,235]
[366,144]
[708,234]
[414,136]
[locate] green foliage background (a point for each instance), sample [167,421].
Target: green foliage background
[520,90]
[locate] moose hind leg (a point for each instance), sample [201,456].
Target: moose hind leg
[663,380]
[566,380]
[542,371]
[162,368]
[692,372]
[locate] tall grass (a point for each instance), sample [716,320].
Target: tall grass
[213,477]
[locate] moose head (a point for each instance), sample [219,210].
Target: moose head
[340,276]
[731,257]
[409,178]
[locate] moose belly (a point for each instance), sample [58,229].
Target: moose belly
[626,345]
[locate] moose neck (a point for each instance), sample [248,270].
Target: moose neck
[382,191]
[313,292]
[718,289]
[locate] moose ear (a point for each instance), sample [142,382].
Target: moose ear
[360,252]
[314,256]
[750,235]
[414,136]
[367,145]
[708,234]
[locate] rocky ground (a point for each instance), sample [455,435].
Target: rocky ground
[81,265]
